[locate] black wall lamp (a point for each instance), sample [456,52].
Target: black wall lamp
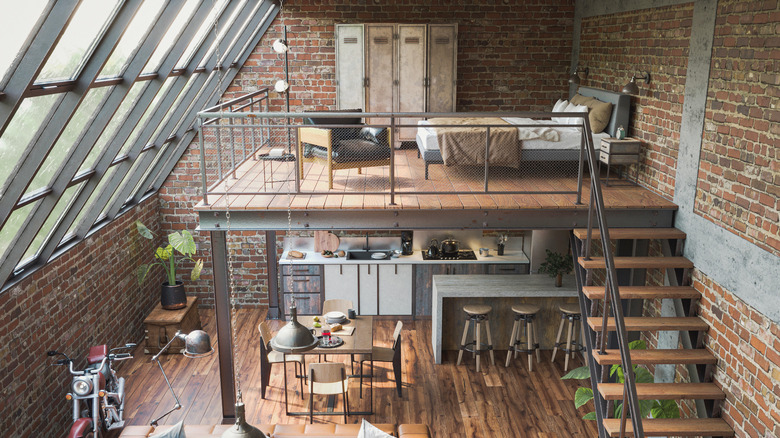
[631,87]
[575,77]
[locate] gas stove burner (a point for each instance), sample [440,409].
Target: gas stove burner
[461,255]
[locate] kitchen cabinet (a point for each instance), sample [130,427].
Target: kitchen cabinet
[507,269]
[302,283]
[395,289]
[341,282]
[368,285]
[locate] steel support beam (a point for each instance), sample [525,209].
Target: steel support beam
[36,55]
[227,383]
[195,94]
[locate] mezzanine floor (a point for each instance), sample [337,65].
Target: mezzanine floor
[453,401]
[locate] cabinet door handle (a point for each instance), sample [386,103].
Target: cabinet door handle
[300,279]
[506,269]
[301,298]
[301,270]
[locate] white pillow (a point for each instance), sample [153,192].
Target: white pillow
[177,431]
[572,108]
[368,430]
[560,105]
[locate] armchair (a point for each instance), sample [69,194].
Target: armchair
[342,147]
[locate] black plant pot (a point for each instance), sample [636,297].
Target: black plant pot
[173,297]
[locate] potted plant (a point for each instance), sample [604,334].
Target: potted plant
[172,296]
[555,265]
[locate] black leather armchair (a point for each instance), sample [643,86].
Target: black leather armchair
[342,147]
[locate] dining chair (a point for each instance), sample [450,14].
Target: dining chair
[268,357]
[384,354]
[329,378]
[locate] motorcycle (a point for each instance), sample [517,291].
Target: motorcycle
[97,393]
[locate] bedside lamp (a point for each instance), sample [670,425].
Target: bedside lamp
[575,77]
[631,87]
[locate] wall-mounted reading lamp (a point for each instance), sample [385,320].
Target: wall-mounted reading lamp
[631,87]
[575,77]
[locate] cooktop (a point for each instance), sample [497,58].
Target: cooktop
[461,255]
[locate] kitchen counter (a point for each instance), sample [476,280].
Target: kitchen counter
[315,258]
[450,293]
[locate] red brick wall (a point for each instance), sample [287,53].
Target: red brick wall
[747,345]
[511,55]
[739,174]
[616,46]
[87,296]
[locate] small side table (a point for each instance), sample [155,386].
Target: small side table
[161,325]
[623,152]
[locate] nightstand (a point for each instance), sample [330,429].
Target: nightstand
[623,152]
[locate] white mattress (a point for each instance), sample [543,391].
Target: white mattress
[569,139]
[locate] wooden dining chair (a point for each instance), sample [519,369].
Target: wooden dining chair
[384,354]
[328,378]
[268,357]
[337,305]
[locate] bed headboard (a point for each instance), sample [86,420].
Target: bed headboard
[621,105]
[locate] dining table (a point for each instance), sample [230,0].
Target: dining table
[358,338]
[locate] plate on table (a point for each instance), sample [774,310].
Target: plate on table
[330,341]
[335,317]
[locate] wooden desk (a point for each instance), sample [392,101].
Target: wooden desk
[161,325]
[360,342]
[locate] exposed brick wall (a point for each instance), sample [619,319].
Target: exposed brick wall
[739,173]
[747,345]
[511,55]
[87,296]
[616,46]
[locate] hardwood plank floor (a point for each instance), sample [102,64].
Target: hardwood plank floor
[454,401]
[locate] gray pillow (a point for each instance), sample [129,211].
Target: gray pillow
[177,431]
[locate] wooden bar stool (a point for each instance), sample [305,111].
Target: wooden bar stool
[524,316]
[476,313]
[570,312]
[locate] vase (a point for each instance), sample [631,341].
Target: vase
[173,297]
[559,280]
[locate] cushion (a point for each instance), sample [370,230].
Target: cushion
[368,430]
[176,431]
[374,134]
[573,108]
[579,99]
[599,115]
[560,105]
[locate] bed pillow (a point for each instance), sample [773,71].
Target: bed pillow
[559,107]
[579,99]
[599,115]
[368,430]
[177,431]
[574,108]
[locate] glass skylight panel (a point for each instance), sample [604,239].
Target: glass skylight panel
[54,218]
[137,190]
[81,118]
[21,130]
[79,40]
[145,118]
[90,204]
[235,39]
[17,27]
[171,36]
[119,117]
[205,28]
[132,38]
[11,228]
[223,26]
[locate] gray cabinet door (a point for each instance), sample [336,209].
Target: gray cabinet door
[395,289]
[411,76]
[380,68]
[368,280]
[442,67]
[423,286]
[341,282]
[349,66]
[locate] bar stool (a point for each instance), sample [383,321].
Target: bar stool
[570,312]
[524,315]
[476,313]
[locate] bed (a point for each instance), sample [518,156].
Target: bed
[566,148]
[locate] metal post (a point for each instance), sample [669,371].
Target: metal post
[222,312]
[203,163]
[392,161]
[232,148]
[581,169]
[219,151]
[487,154]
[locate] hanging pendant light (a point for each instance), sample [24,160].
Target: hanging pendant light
[242,429]
[294,337]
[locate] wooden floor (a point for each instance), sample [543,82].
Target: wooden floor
[452,401]
[254,177]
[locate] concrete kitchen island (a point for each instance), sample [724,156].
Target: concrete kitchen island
[450,293]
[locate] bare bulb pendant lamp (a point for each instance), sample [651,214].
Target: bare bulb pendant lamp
[631,87]
[575,77]
[242,429]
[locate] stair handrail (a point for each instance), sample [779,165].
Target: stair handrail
[611,288]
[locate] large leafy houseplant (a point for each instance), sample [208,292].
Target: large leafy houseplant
[180,242]
[555,265]
[656,408]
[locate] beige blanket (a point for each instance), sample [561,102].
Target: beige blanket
[466,145]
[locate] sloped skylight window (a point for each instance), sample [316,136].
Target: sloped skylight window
[54,218]
[171,36]
[223,27]
[132,38]
[67,140]
[153,108]
[205,28]
[17,27]
[79,40]
[90,204]
[13,225]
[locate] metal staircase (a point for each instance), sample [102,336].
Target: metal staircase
[609,325]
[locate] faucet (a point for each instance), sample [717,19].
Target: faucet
[366,247]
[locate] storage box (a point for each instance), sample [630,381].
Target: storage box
[625,146]
[161,326]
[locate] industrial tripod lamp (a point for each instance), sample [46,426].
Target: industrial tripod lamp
[197,344]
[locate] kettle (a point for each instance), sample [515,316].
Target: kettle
[433,249]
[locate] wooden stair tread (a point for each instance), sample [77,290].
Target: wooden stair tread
[664,391]
[638,323]
[644,292]
[666,356]
[673,427]
[637,262]
[632,233]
